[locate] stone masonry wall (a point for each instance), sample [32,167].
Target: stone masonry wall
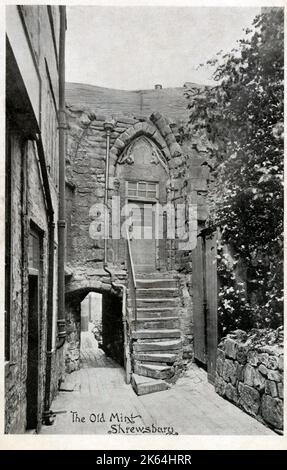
[250,374]
[159,117]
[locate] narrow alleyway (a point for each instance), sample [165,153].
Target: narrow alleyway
[98,393]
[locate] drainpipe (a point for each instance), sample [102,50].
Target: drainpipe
[50,293]
[48,417]
[108,126]
[48,414]
[61,322]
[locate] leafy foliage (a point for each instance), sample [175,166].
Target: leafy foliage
[242,117]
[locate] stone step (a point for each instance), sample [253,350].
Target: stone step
[157,275]
[169,345]
[166,358]
[155,293]
[160,334]
[153,371]
[156,283]
[144,385]
[160,302]
[155,323]
[154,363]
[156,312]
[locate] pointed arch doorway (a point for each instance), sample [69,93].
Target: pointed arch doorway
[144,181]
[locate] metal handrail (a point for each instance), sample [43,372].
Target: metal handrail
[131,278]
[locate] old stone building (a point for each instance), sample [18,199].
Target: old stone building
[125,152]
[106,198]
[33,353]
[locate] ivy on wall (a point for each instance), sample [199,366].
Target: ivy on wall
[242,116]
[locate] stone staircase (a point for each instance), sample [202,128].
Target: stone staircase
[156,339]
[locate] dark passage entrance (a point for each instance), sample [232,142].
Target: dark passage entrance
[102,340]
[33,353]
[112,333]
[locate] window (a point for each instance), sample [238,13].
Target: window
[142,189]
[34,251]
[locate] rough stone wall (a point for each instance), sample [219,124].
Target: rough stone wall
[250,373]
[15,369]
[158,116]
[27,196]
[29,206]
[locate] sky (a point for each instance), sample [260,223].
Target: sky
[137,47]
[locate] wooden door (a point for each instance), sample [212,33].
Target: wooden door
[142,233]
[199,306]
[204,272]
[211,304]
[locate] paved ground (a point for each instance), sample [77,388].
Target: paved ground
[105,404]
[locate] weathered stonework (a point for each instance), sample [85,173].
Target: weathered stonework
[250,374]
[86,153]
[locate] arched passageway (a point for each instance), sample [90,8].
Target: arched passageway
[94,330]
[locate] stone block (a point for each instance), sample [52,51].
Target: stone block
[99,192]
[219,385]
[239,372]
[231,393]
[249,398]
[241,354]
[230,348]
[263,370]
[271,388]
[274,375]
[263,358]
[252,357]
[281,362]
[249,375]
[272,362]
[280,389]
[219,366]
[259,380]
[229,371]
[272,411]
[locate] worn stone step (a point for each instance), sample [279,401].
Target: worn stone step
[158,275]
[159,302]
[155,293]
[155,323]
[166,358]
[156,283]
[144,385]
[168,345]
[155,363]
[156,312]
[153,371]
[162,333]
